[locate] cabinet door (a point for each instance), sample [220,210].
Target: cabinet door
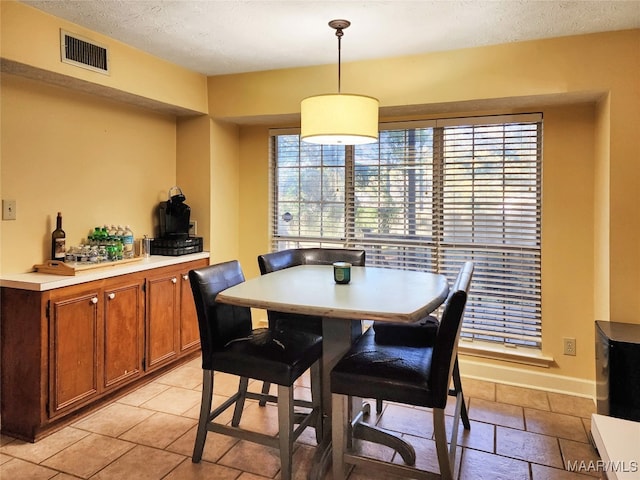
[189,332]
[162,323]
[123,338]
[73,350]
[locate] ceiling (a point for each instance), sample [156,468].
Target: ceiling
[216,37]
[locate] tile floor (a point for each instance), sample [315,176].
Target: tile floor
[516,434]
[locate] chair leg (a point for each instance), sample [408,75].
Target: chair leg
[316,398]
[266,386]
[285,429]
[457,385]
[205,412]
[339,426]
[242,395]
[378,406]
[444,461]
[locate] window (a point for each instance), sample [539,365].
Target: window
[428,196]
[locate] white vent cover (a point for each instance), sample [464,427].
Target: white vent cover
[84,53]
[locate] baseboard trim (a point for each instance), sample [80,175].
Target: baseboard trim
[521,377]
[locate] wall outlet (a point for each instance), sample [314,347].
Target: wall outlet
[193,228]
[569,346]
[8,209]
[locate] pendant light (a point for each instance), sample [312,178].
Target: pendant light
[341,118]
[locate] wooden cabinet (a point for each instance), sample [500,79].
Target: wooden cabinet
[189,330]
[163,306]
[123,332]
[66,349]
[74,328]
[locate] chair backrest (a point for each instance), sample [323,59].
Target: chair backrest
[271,262]
[327,256]
[446,346]
[218,322]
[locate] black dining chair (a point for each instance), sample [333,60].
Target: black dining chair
[421,333]
[230,345]
[418,376]
[271,262]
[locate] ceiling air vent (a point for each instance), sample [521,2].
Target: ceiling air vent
[84,53]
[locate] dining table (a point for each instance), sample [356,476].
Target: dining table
[373,293]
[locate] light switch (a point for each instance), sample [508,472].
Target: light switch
[8,209]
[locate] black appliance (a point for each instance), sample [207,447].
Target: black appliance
[618,369]
[174,216]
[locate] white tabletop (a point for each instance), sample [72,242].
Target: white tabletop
[373,293]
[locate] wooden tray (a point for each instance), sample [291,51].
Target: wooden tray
[60,268]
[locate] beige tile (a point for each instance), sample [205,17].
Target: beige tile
[481,436]
[174,400]
[19,469]
[215,446]
[250,476]
[148,463]
[531,447]
[260,419]
[541,472]
[426,456]
[478,389]
[366,473]
[159,430]
[252,458]
[188,470]
[114,419]
[89,455]
[302,458]
[223,418]
[143,394]
[524,397]
[555,424]
[496,413]
[65,476]
[185,376]
[4,458]
[4,439]
[47,447]
[225,384]
[579,454]
[412,421]
[581,407]
[478,465]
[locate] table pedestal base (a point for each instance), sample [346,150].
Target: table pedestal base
[338,336]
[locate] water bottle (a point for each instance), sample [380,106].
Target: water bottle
[127,239]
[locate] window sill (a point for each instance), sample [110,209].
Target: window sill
[508,354]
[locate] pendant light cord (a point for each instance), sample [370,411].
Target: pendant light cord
[339,34]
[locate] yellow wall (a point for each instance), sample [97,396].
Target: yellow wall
[94,160]
[31,37]
[588,88]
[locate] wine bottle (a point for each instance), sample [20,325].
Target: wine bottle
[58,239]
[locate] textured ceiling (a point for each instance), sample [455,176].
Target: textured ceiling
[231,36]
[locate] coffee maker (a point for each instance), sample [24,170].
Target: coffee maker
[174,217]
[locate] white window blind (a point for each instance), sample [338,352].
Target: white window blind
[428,196]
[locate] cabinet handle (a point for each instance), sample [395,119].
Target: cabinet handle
[111,296]
[94,300]
[185,277]
[174,280]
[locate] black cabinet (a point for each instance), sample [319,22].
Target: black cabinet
[618,369]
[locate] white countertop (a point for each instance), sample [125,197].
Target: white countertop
[41,282]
